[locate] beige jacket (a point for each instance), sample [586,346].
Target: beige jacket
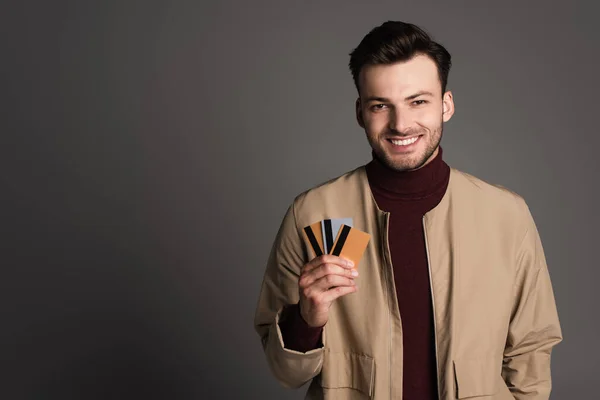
[495,316]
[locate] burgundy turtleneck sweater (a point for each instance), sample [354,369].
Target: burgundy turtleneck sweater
[407,196]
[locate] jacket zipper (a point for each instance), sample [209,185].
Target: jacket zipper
[388,260]
[437,366]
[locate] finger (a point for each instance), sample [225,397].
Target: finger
[329,281]
[334,293]
[319,288]
[328,259]
[312,276]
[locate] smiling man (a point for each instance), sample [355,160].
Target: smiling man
[402,108]
[452,297]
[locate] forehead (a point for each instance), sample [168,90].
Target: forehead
[400,79]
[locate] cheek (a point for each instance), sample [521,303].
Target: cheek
[429,118]
[375,123]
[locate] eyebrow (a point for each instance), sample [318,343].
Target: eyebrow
[421,93]
[411,97]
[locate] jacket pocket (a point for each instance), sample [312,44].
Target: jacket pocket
[348,370]
[477,377]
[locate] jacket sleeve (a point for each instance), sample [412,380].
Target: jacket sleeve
[280,289]
[534,326]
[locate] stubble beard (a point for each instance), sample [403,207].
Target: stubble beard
[410,163]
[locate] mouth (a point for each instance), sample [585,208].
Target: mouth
[404,143]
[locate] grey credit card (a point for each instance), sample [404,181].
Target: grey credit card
[331,228]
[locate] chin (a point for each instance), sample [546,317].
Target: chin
[404,163]
[407,166]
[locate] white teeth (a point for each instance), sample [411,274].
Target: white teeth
[405,142]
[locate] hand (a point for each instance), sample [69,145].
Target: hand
[322,280]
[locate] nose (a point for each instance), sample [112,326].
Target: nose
[399,121]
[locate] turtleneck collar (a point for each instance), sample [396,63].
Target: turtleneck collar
[408,185]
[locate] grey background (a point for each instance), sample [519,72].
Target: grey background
[150,149]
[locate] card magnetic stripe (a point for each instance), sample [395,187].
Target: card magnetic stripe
[328,235]
[313,241]
[341,240]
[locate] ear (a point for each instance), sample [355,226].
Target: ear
[448,106]
[359,116]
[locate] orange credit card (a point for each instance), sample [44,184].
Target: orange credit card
[351,243]
[314,236]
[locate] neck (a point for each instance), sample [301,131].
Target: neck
[414,184]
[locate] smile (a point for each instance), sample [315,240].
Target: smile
[404,142]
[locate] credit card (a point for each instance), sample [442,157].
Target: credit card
[331,228]
[313,234]
[351,243]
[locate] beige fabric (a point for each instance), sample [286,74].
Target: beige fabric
[495,316]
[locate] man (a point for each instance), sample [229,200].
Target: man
[452,296]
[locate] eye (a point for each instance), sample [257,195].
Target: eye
[419,102]
[378,107]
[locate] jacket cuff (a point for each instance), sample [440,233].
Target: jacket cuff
[296,333]
[291,368]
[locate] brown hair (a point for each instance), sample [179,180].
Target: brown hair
[395,41]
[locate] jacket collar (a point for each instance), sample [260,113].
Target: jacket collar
[370,204]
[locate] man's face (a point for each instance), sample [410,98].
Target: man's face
[402,111]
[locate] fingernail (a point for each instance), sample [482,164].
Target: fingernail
[349,263]
[354,272]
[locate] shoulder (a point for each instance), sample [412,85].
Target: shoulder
[481,190]
[491,199]
[333,190]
